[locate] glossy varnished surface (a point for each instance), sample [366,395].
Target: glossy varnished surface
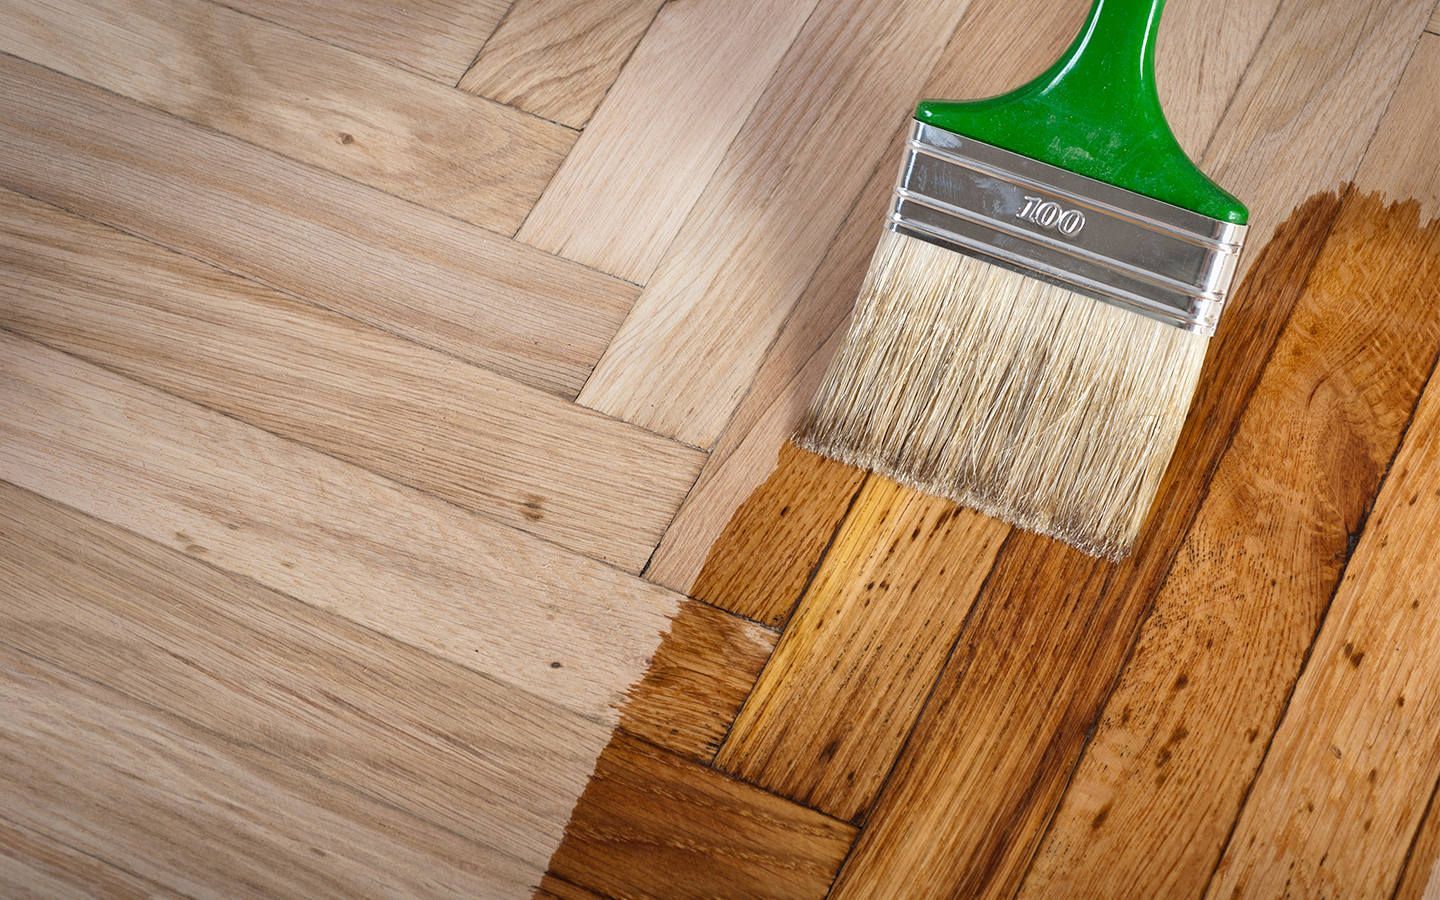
[395,495]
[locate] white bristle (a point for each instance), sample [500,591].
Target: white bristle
[1029,402]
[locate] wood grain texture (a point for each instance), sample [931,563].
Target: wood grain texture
[989,795]
[488,444]
[768,553]
[35,866]
[647,815]
[557,58]
[1421,879]
[624,191]
[438,38]
[1434,26]
[373,257]
[132,786]
[404,134]
[1161,783]
[326,532]
[251,667]
[683,358]
[696,680]
[1355,759]
[852,670]
[556,888]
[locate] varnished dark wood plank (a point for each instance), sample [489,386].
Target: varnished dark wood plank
[652,824]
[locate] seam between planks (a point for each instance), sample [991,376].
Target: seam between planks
[1409,859]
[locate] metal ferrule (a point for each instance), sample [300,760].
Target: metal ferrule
[1094,238]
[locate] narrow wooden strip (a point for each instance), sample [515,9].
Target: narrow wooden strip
[625,190]
[697,678]
[418,273]
[559,625]
[988,793]
[423,735]
[999,44]
[1162,781]
[34,866]
[491,445]
[652,824]
[684,357]
[127,784]
[404,134]
[852,669]
[767,554]
[1421,879]
[1434,26]
[437,38]
[557,58]
[1354,761]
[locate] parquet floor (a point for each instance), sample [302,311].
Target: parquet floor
[395,496]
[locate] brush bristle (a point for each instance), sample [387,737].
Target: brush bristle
[1026,401]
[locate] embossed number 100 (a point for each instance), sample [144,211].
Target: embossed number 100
[1049,214]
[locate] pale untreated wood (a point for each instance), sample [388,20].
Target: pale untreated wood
[624,191]
[1160,785]
[1355,759]
[392,130]
[1434,26]
[652,824]
[249,666]
[437,38]
[149,792]
[32,865]
[557,58]
[491,445]
[998,45]
[853,668]
[683,358]
[440,282]
[1421,880]
[988,796]
[327,532]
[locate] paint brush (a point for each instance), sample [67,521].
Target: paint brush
[1033,324]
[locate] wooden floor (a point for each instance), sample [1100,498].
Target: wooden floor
[395,495]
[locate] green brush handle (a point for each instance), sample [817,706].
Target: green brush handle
[1096,112]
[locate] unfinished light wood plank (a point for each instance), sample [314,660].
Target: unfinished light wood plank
[557,58]
[331,534]
[428,277]
[625,190]
[488,444]
[1434,26]
[34,866]
[989,53]
[404,134]
[1421,880]
[437,38]
[1162,781]
[688,350]
[989,794]
[652,824]
[856,662]
[1356,757]
[496,766]
[137,788]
